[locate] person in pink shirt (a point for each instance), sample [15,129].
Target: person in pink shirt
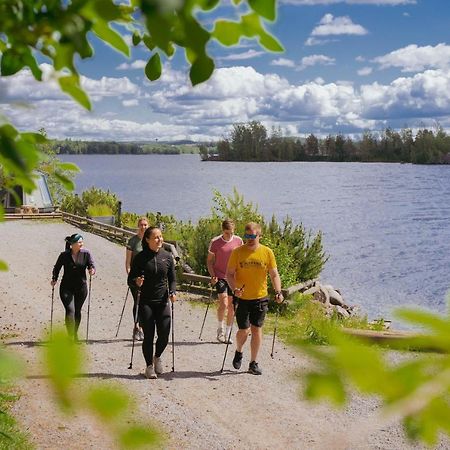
[219,252]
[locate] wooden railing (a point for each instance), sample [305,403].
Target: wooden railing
[23,215]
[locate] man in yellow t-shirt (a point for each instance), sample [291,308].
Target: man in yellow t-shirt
[247,271]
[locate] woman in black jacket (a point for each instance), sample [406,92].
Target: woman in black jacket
[73,288]
[153,271]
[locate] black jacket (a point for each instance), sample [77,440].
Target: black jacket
[158,269]
[74,271]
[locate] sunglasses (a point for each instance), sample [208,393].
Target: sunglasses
[250,236]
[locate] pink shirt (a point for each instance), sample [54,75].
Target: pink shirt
[222,250]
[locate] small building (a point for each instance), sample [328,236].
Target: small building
[38,201]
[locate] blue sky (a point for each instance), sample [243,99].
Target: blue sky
[349,66]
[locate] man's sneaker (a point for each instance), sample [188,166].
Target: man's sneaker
[150,373]
[140,335]
[158,365]
[254,369]
[220,335]
[237,360]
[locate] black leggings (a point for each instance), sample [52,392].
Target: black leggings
[154,316]
[73,300]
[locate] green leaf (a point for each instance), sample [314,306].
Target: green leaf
[208,5]
[136,38]
[252,26]
[70,85]
[139,436]
[107,10]
[265,8]
[31,62]
[68,166]
[227,33]
[3,265]
[426,319]
[270,43]
[325,386]
[65,181]
[10,366]
[108,402]
[11,63]
[362,364]
[107,34]
[201,69]
[148,41]
[34,138]
[153,68]
[63,362]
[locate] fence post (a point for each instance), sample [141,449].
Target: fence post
[119,214]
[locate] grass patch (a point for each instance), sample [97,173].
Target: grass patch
[305,319]
[11,438]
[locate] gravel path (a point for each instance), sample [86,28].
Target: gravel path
[198,407]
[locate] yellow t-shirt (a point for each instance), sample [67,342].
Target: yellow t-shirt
[251,268]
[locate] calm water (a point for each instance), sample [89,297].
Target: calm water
[385,226]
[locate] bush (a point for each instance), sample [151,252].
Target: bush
[299,256]
[92,198]
[99,210]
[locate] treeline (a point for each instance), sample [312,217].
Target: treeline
[251,142]
[69,146]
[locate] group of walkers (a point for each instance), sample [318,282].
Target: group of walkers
[238,270]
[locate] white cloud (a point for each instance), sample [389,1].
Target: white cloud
[130,102]
[314,60]
[138,64]
[311,41]
[174,109]
[283,62]
[330,25]
[241,56]
[364,71]
[425,95]
[413,58]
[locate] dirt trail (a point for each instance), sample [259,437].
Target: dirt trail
[199,407]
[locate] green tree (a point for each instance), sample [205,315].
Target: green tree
[312,147]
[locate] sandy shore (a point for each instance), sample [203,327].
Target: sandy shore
[199,407]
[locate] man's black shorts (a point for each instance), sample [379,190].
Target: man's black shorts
[251,312]
[222,286]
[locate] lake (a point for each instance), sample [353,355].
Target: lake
[385,226]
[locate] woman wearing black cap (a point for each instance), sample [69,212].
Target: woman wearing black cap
[73,288]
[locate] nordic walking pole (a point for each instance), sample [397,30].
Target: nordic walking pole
[136,315]
[123,309]
[206,312]
[51,313]
[275,328]
[89,307]
[235,305]
[173,339]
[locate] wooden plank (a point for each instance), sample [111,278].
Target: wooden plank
[14,216]
[195,278]
[400,340]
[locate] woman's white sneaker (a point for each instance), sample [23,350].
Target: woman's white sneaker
[157,362]
[150,373]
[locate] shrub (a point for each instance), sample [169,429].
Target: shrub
[99,210]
